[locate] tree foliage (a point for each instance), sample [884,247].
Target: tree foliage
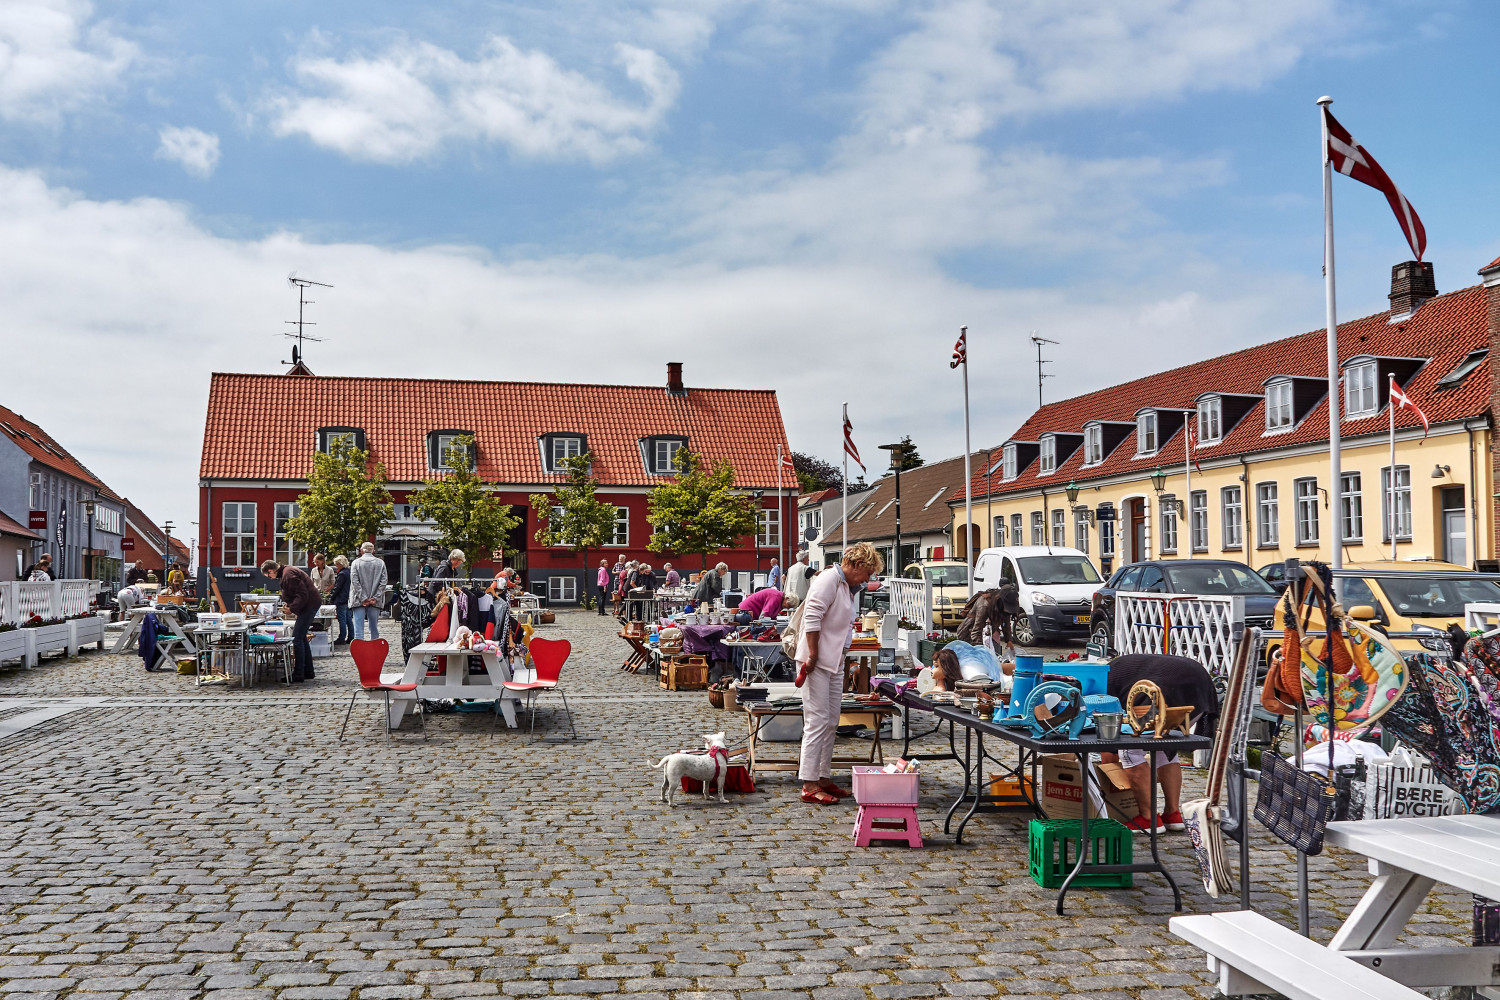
[814,474]
[463,506]
[906,456]
[698,511]
[346,502]
[584,521]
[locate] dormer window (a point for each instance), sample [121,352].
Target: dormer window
[1008,462]
[1210,420]
[353,437]
[1468,364]
[659,454]
[558,448]
[1145,433]
[1279,405]
[1049,453]
[1093,444]
[438,443]
[1360,396]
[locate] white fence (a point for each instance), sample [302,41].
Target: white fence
[54,599]
[1199,628]
[1481,616]
[912,600]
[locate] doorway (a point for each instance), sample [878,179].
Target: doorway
[1454,526]
[1135,532]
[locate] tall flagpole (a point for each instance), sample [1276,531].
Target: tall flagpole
[1187,469]
[780,518]
[844,514]
[1390,500]
[968,476]
[1335,462]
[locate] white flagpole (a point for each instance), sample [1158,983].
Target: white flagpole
[1335,461]
[1390,405]
[968,476]
[1187,469]
[844,516]
[780,511]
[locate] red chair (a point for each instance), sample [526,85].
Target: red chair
[369,656]
[548,657]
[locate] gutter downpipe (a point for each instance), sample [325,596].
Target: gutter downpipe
[1245,504]
[1473,501]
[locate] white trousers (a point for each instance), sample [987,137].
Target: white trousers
[822,694]
[126,602]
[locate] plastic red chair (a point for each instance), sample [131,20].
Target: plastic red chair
[369,657]
[548,657]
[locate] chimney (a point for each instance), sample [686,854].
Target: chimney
[1412,284]
[674,379]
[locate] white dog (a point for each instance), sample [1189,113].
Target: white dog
[710,768]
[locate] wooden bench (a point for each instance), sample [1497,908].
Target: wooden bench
[1254,954]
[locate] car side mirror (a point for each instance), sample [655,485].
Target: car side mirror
[1363,613]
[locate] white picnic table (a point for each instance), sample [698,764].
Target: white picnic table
[167,615]
[454,683]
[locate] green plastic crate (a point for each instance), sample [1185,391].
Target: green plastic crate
[1053,849]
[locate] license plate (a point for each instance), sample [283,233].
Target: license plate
[1080,619]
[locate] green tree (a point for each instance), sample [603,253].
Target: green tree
[581,520]
[698,511]
[906,456]
[463,505]
[346,501]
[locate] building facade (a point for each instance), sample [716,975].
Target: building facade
[1228,457]
[927,528]
[263,430]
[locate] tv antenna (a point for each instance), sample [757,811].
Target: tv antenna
[1040,374]
[301,285]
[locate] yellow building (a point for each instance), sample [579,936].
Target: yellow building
[1111,473]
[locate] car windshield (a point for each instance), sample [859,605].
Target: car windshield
[1219,578]
[948,576]
[1042,570]
[1436,597]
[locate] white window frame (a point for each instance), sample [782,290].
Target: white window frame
[1352,506]
[1008,462]
[997,531]
[1232,517]
[569,445]
[237,560]
[106,519]
[768,528]
[621,533]
[1403,503]
[562,589]
[1147,433]
[1267,516]
[443,442]
[1198,520]
[328,435]
[1168,529]
[1106,539]
[286,551]
[1361,397]
[1038,528]
[1305,503]
[1211,420]
[556,513]
[1280,412]
[1081,530]
[664,455]
[1093,444]
[1048,461]
[1017,529]
[1059,527]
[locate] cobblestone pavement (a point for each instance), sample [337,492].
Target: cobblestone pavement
[166,841]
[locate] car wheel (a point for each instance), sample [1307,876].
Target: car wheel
[1100,637]
[1025,634]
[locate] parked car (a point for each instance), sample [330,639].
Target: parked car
[950,589]
[1056,584]
[1411,602]
[1274,574]
[1207,577]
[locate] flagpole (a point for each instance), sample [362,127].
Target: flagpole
[1390,405]
[844,516]
[1335,462]
[968,476]
[1187,470]
[780,516]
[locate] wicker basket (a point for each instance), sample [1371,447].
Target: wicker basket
[716,698]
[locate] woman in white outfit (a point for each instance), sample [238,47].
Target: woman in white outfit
[827,628]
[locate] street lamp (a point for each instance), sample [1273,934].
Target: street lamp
[1072,491]
[1158,479]
[88,512]
[896,450]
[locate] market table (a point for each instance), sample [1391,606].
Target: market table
[167,615]
[976,729]
[1408,856]
[206,650]
[870,716]
[455,682]
[748,645]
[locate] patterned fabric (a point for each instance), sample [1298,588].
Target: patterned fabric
[1482,657]
[416,615]
[1374,682]
[1442,716]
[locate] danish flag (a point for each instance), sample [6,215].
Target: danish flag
[787,464]
[1402,401]
[849,448]
[1354,161]
[1192,438]
[961,348]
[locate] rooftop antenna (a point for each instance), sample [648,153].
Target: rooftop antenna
[1039,341]
[301,285]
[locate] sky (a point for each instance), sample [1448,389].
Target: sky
[808,196]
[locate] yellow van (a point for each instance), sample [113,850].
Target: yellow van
[950,589]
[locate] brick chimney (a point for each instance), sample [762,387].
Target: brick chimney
[674,379]
[1412,283]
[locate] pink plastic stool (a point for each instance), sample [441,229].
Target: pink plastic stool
[887,821]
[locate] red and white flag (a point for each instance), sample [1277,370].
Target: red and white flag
[1192,439]
[1354,161]
[961,348]
[849,448]
[1402,401]
[787,465]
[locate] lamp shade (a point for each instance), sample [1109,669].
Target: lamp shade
[1072,491]
[1158,479]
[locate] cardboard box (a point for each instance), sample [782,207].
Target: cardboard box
[1062,790]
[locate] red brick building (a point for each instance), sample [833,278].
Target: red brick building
[262,431]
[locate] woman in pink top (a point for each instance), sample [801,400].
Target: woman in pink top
[602,584]
[761,604]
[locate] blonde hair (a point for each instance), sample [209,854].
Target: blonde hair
[342,562]
[863,555]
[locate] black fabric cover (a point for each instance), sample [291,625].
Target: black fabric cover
[1182,681]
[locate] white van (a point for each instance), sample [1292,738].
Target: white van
[1057,587]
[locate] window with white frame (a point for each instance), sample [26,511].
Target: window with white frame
[1008,462]
[1402,502]
[1106,539]
[1145,433]
[768,521]
[1279,405]
[562,589]
[1081,530]
[555,520]
[1210,420]
[664,455]
[621,533]
[1305,497]
[239,534]
[1093,444]
[107,519]
[287,552]
[438,443]
[1049,453]
[1232,506]
[998,529]
[1168,527]
[1038,529]
[1198,520]
[1059,527]
[1267,523]
[1016,534]
[1352,506]
[351,436]
[1360,398]
[562,447]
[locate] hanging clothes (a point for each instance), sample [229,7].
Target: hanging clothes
[416,615]
[150,629]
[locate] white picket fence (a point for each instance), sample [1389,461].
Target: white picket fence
[1483,617]
[54,599]
[1199,628]
[912,600]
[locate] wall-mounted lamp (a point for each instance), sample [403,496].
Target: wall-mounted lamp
[1072,492]
[1439,471]
[1158,479]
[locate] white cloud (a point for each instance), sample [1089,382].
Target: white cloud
[415,98]
[54,58]
[195,149]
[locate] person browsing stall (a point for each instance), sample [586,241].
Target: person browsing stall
[301,597]
[339,598]
[712,586]
[367,580]
[673,578]
[765,603]
[799,578]
[826,631]
[601,584]
[322,574]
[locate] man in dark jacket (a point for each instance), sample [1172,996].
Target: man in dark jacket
[452,569]
[301,597]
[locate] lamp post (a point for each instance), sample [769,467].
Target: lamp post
[88,512]
[896,451]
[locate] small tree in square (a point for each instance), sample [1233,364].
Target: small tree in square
[463,505]
[346,501]
[573,516]
[699,511]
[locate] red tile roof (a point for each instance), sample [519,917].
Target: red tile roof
[10,526]
[1445,329]
[265,426]
[1491,266]
[42,447]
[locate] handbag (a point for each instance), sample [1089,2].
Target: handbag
[793,633]
[1204,817]
[1295,805]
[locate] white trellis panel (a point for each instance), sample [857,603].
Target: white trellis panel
[912,600]
[1199,628]
[1483,617]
